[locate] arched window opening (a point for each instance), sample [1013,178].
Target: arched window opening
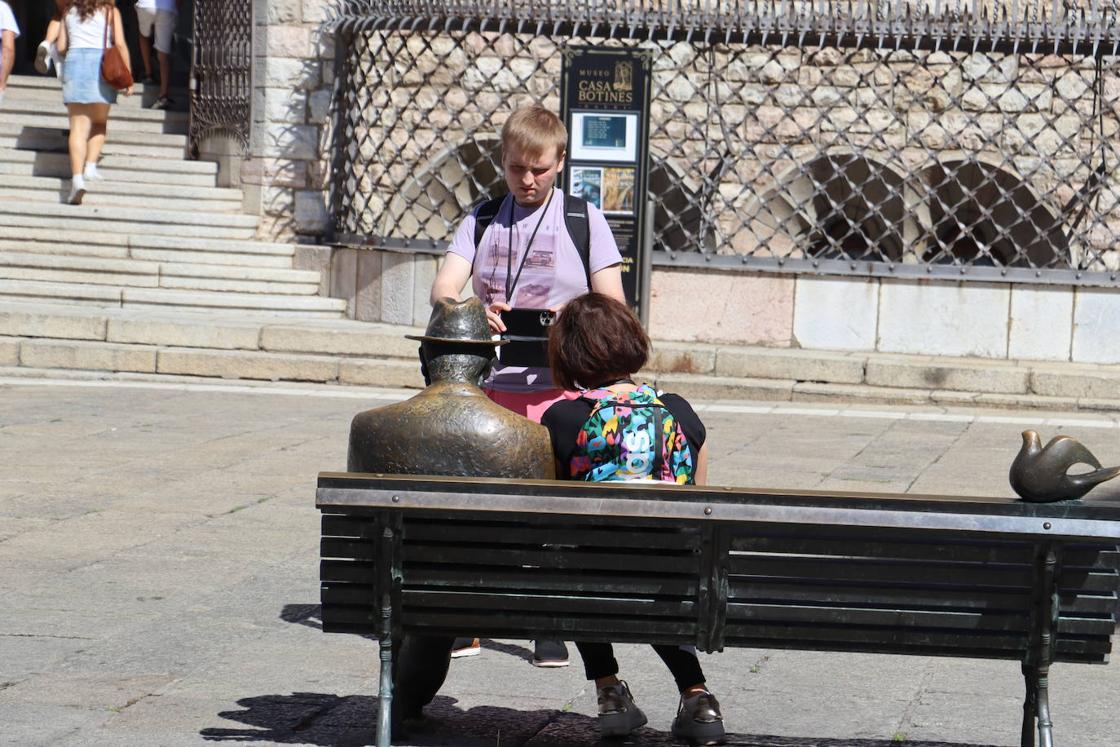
[984,215]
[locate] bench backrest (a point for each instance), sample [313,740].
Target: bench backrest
[624,573]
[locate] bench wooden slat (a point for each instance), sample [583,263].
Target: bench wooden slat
[874,547]
[531,580]
[472,532]
[560,558]
[876,571]
[1006,621]
[515,624]
[567,603]
[745,591]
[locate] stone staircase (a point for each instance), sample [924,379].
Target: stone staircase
[156,234]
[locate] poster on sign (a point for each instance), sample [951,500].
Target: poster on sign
[604,136]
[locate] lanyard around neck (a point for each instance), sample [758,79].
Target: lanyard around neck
[509,255]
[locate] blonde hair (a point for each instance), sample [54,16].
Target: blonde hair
[533,130]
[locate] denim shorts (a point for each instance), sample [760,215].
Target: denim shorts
[81,79]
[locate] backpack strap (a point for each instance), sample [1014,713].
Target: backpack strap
[579,229]
[484,216]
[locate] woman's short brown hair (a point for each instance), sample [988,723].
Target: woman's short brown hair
[594,340]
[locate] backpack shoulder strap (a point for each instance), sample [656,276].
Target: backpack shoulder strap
[576,221]
[484,216]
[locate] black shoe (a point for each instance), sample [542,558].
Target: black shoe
[699,720]
[619,715]
[550,654]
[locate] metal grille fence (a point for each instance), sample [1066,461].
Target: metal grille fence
[934,140]
[221,86]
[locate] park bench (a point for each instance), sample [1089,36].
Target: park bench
[988,578]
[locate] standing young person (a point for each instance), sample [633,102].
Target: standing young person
[88,28]
[526,258]
[619,430]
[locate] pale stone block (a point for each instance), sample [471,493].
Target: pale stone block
[96,356]
[807,391]
[282,11]
[397,287]
[961,319]
[43,324]
[367,292]
[184,334]
[1096,326]
[721,307]
[247,365]
[721,387]
[319,106]
[274,171]
[798,365]
[292,142]
[317,11]
[284,41]
[311,212]
[682,358]
[948,374]
[344,277]
[381,373]
[1076,382]
[360,340]
[836,313]
[425,268]
[316,259]
[1041,322]
[279,105]
[9,352]
[286,72]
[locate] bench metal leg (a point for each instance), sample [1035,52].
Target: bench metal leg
[1036,668]
[385,694]
[1030,706]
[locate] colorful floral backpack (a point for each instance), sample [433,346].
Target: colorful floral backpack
[630,436]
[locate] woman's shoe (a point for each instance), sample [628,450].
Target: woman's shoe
[699,720]
[618,714]
[42,58]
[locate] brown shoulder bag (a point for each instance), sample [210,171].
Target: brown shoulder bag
[113,69]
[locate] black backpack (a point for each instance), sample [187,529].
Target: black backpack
[575,219]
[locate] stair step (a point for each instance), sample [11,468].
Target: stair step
[78,224]
[28,135]
[14,108]
[168,298]
[127,214]
[141,273]
[116,162]
[57,166]
[112,147]
[49,92]
[177,249]
[123,194]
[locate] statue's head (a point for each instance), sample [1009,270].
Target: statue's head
[457,343]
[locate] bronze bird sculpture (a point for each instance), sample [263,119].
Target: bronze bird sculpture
[1041,474]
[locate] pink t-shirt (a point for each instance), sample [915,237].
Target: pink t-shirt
[552,274]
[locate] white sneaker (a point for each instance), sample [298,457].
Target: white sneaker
[42,58]
[77,191]
[92,174]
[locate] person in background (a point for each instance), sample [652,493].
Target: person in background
[9,30]
[87,96]
[529,220]
[618,430]
[156,19]
[47,56]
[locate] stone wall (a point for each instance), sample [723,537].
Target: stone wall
[285,174]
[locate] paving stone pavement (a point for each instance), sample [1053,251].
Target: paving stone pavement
[158,571]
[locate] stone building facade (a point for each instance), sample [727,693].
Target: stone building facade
[777,168]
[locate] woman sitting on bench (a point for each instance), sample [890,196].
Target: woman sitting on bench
[622,431]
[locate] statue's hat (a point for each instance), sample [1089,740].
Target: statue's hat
[458,322]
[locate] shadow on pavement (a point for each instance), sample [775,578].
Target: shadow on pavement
[325,719]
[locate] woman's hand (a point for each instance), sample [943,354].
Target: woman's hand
[493,315]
